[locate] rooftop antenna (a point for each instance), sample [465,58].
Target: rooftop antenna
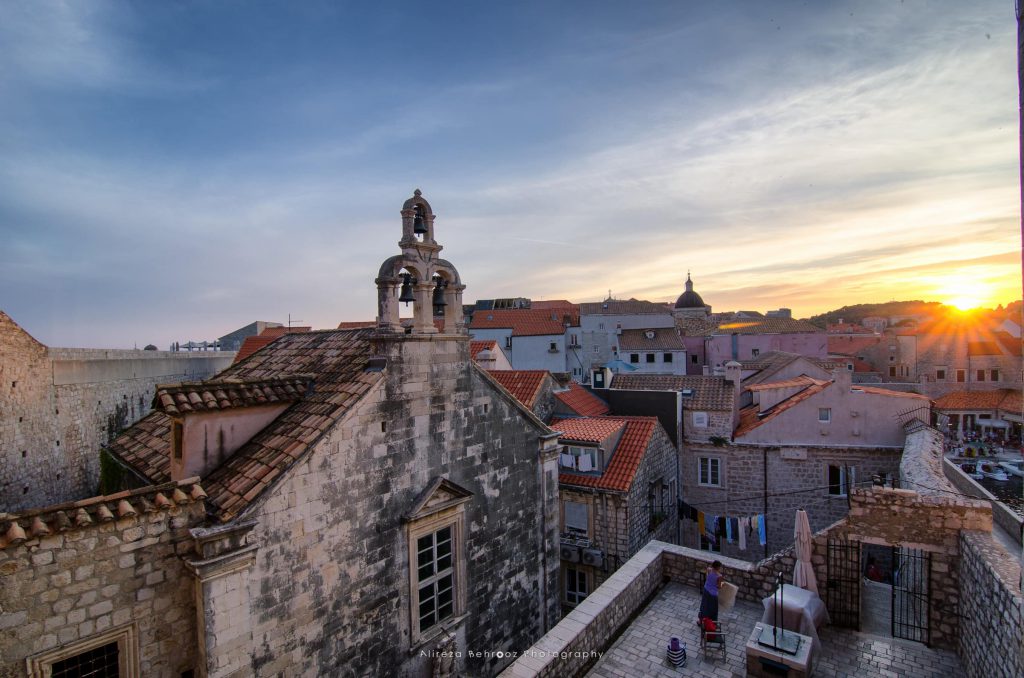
[290,321]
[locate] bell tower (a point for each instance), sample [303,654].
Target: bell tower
[419,276]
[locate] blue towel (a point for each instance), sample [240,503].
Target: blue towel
[728,529]
[762,531]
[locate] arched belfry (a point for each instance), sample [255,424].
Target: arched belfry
[419,276]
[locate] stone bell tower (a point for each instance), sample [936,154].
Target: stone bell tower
[419,276]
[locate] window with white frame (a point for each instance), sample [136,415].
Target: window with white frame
[576,588]
[824,415]
[840,478]
[582,459]
[700,419]
[577,518]
[709,471]
[437,574]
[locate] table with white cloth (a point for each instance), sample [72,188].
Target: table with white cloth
[802,611]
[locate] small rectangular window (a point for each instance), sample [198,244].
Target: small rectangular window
[961,376]
[754,352]
[839,481]
[709,471]
[650,357]
[553,347]
[177,438]
[940,375]
[577,518]
[700,419]
[994,375]
[668,357]
[892,370]
[693,359]
[508,342]
[634,357]
[824,415]
[981,375]
[575,586]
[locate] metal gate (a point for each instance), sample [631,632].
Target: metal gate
[842,585]
[911,594]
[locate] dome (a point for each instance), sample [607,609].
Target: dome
[689,298]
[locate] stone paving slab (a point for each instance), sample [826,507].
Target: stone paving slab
[640,650]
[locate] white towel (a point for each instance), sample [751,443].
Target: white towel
[586,464]
[567,460]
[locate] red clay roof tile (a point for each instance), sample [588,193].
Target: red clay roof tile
[524,385]
[582,402]
[625,461]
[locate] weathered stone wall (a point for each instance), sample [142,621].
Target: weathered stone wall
[1002,515]
[59,405]
[74,571]
[992,637]
[329,591]
[797,477]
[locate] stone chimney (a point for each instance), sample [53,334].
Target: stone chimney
[734,375]
[486,359]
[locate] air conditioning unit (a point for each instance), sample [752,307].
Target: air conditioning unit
[571,553]
[593,557]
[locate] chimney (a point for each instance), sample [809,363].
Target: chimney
[486,359]
[734,376]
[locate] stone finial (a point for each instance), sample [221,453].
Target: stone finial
[39,528]
[61,521]
[15,535]
[180,497]
[125,510]
[104,514]
[82,518]
[161,502]
[417,192]
[197,492]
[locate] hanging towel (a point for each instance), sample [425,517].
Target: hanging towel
[728,529]
[693,514]
[586,463]
[567,460]
[700,523]
[735,522]
[762,531]
[744,527]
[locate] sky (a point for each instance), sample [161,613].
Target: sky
[172,171]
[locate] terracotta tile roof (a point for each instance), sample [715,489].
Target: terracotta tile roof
[1012,344]
[356,324]
[975,348]
[485,344]
[336,358]
[802,380]
[524,385]
[622,468]
[582,402]
[560,304]
[525,322]
[768,326]
[221,394]
[1001,399]
[848,328]
[661,339]
[852,345]
[587,429]
[696,327]
[861,366]
[250,346]
[709,393]
[771,363]
[750,416]
[627,307]
[146,447]
[876,390]
[15,529]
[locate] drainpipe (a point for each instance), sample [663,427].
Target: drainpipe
[764,465]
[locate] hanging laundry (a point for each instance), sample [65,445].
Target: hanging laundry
[744,528]
[693,513]
[762,531]
[728,529]
[700,523]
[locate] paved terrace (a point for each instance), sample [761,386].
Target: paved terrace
[640,650]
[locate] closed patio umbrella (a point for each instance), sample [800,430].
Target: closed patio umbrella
[803,571]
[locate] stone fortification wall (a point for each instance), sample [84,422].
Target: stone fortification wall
[83,574]
[992,637]
[59,405]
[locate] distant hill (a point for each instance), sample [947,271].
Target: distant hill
[932,309]
[857,312]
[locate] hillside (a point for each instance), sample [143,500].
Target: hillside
[857,312]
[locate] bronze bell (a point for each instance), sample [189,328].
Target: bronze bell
[439,292]
[419,225]
[407,295]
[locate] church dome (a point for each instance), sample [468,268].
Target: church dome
[689,298]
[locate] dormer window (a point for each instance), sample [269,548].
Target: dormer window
[581,459]
[649,334]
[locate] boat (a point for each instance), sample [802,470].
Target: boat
[971,470]
[993,472]
[1014,468]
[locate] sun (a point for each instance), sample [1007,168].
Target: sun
[966,294]
[964,303]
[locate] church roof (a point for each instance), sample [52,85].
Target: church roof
[689,298]
[336,359]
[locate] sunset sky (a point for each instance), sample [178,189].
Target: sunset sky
[173,171]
